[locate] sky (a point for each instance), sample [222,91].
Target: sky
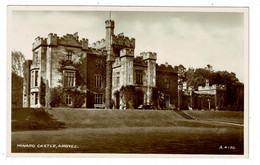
[193,39]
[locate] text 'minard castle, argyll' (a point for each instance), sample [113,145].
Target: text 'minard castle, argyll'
[107,74]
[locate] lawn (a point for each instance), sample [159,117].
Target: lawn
[131,131]
[223,116]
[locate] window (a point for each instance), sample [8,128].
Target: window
[139,77]
[36,78]
[98,99]
[36,99]
[98,81]
[68,100]
[69,55]
[32,79]
[69,79]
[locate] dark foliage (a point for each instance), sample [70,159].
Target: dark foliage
[78,98]
[33,119]
[127,94]
[17,90]
[42,92]
[58,97]
[234,88]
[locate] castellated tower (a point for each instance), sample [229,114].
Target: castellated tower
[110,24]
[127,68]
[150,59]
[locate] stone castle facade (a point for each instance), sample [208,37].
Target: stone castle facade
[98,72]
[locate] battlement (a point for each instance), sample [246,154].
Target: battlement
[52,39]
[99,44]
[149,55]
[97,51]
[123,41]
[39,41]
[110,24]
[65,40]
[165,67]
[126,52]
[84,43]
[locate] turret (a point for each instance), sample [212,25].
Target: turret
[110,24]
[150,59]
[127,71]
[52,39]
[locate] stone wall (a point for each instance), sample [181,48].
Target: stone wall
[167,83]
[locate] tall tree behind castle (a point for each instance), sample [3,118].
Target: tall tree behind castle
[17,78]
[17,63]
[235,88]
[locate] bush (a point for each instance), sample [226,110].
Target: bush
[33,119]
[78,99]
[56,97]
[127,94]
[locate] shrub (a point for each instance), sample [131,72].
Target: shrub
[56,97]
[33,119]
[42,92]
[127,94]
[78,99]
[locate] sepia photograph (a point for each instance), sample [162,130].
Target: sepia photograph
[128,80]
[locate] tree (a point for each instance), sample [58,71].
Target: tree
[17,63]
[42,92]
[17,78]
[234,88]
[127,94]
[17,90]
[181,74]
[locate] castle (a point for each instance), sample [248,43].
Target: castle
[106,74]
[68,72]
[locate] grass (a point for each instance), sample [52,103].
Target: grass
[115,118]
[132,131]
[222,116]
[33,119]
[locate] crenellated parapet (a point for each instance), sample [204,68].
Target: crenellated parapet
[127,52]
[149,55]
[123,41]
[165,67]
[65,40]
[39,41]
[97,51]
[52,39]
[84,43]
[69,40]
[101,44]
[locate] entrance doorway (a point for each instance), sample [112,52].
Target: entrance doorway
[139,98]
[117,101]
